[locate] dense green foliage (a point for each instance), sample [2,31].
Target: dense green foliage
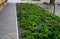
[37,22]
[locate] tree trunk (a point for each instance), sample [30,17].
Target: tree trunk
[52,2]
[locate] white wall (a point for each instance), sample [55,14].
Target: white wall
[13,1]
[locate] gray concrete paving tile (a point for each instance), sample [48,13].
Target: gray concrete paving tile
[8,25]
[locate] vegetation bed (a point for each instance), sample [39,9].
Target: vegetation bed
[37,22]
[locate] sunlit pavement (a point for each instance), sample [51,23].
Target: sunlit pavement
[57,10]
[8,22]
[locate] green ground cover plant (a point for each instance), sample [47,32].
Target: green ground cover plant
[37,22]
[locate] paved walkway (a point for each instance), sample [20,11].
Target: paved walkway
[8,22]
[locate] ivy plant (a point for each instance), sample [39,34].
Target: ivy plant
[30,15]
